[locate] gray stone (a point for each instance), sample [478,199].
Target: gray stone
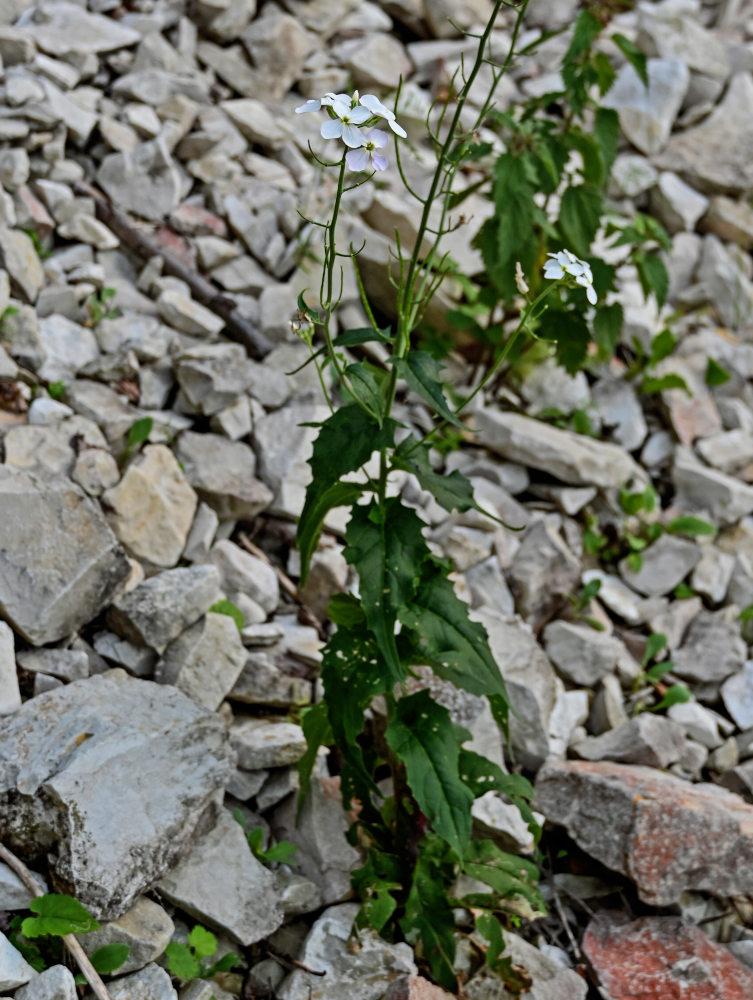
[59,561]
[737,695]
[501,820]
[149,983]
[618,406]
[67,664]
[724,498]
[204,661]
[278,45]
[137,660]
[160,608]
[699,722]
[676,204]
[261,682]
[103,405]
[712,574]
[245,573]
[607,708]
[184,314]
[725,283]
[647,114]
[13,893]
[222,473]
[727,451]
[95,470]
[531,683]
[114,836]
[10,695]
[145,928]
[20,260]
[297,894]
[677,34]
[14,969]
[61,29]
[730,220]
[214,376]
[284,447]
[151,509]
[145,181]
[543,573]
[548,977]
[665,563]
[717,155]
[365,973]
[571,458]
[584,656]
[201,535]
[631,175]
[262,743]
[712,647]
[652,740]
[55,983]
[222,884]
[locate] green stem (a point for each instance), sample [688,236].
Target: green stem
[330,259]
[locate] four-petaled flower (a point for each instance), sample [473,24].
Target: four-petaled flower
[373,141]
[564,262]
[376,107]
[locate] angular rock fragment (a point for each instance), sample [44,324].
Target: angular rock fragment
[652,740]
[648,113]
[724,498]
[14,969]
[222,884]
[149,983]
[60,29]
[652,827]
[664,564]
[584,656]
[59,561]
[10,695]
[160,608]
[712,648]
[213,376]
[145,928]
[666,956]
[222,473]
[55,983]
[547,976]
[543,573]
[159,761]
[204,661]
[261,743]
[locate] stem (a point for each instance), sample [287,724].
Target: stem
[330,259]
[82,959]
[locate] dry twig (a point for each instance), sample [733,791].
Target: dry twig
[69,940]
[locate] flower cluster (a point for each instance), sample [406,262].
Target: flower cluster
[566,263]
[346,117]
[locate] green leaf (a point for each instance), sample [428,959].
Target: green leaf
[374,882]
[421,371]
[682,592]
[674,695]
[510,235]
[57,914]
[387,547]
[225,607]
[652,275]
[655,643]
[139,431]
[364,386]
[428,915]
[453,491]
[688,525]
[110,957]
[444,637]
[282,851]
[228,961]
[746,614]
[507,874]
[318,732]
[202,941]
[56,390]
[569,331]
[482,775]
[608,328]
[634,561]
[715,374]
[580,216]
[634,56]
[586,31]
[367,335]
[422,735]
[655,673]
[649,386]
[345,609]
[489,927]
[605,72]
[345,442]
[662,346]
[181,961]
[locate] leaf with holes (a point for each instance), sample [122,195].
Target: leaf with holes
[421,371]
[429,923]
[453,491]
[507,874]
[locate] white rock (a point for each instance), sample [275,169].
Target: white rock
[647,114]
[14,969]
[10,696]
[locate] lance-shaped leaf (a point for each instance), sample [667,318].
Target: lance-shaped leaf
[482,775]
[422,735]
[507,874]
[444,637]
[364,386]
[345,442]
[453,491]
[318,732]
[421,371]
[387,547]
[429,922]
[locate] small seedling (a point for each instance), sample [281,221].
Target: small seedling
[281,851]
[97,307]
[137,435]
[56,390]
[187,960]
[225,607]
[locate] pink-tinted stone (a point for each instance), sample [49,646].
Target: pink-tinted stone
[36,213]
[415,988]
[197,221]
[664,833]
[178,245]
[662,958]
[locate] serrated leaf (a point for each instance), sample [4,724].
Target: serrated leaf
[507,874]
[181,961]
[228,961]
[634,56]
[489,926]
[688,525]
[482,775]
[109,957]
[580,216]
[57,914]
[280,852]
[225,607]
[453,491]
[345,442]
[345,609]
[422,736]
[608,322]
[652,275]
[386,546]
[586,31]
[605,72]
[203,942]
[364,386]
[716,374]
[590,151]
[318,732]
[429,922]
[421,371]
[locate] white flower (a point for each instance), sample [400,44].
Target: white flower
[316,104]
[566,263]
[376,107]
[374,140]
[520,280]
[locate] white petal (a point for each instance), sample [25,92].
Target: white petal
[332,129]
[553,270]
[397,129]
[591,295]
[352,136]
[357,159]
[359,115]
[379,162]
[576,268]
[341,108]
[308,106]
[378,137]
[375,106]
